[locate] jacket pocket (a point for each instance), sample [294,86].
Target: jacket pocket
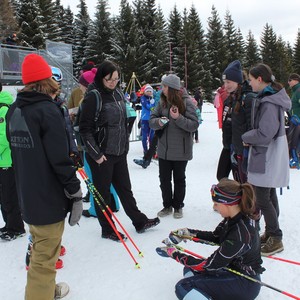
[257,159]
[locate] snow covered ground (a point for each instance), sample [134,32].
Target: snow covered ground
[98,269]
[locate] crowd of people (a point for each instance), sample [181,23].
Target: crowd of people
[51,139]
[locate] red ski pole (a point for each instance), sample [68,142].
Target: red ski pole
[197,240]
[82,173]
[85,178]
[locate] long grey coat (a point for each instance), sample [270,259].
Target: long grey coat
[268,162]
[176,141]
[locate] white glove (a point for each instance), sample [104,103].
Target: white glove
[180,235]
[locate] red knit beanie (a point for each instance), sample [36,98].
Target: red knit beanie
[35,68]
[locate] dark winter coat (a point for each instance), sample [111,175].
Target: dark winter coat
[296,100]
[176,141]
[40,152]
[237,118]
[268,162]
[69,129]
[239,247]
[108,135]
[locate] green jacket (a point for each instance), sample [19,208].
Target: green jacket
[296,99]
[5,155]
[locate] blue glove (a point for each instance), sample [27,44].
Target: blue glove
[166,251]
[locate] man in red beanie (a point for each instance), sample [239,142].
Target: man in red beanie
[46,179]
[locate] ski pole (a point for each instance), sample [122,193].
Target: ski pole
[197,240]
[284,260]
[91,189]
[169,244]
[84,175]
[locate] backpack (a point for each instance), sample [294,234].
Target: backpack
[97,114]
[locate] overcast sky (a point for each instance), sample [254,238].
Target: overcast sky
[283,15]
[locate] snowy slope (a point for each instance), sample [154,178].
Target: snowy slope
[98,269]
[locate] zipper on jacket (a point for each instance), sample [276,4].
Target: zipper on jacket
[120,121]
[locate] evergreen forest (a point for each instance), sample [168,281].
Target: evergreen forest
[141,39]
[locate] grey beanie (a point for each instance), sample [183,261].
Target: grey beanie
[233,72]
[172,81]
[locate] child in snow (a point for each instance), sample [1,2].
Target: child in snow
[239,249]
[148,103]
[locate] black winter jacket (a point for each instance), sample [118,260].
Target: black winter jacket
[239,247]
[107,135]
[40,152]
[237,118]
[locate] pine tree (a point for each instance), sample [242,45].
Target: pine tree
[230,39]
[296,54]
[160,47]
[99,39]
[64,20]
[196,52]
[8,23]
[68,23]
[284,61]
[240,46]
[29,20]
[47,15]
[216,49]
[80,33]
[138,28]
[174,29]
[268,47]
[146,38]
[252,53]
[123,41]
[183,49]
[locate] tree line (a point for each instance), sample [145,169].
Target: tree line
[141,39]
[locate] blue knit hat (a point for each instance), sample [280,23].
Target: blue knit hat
[233,72]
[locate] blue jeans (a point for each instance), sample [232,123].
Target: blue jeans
[147,134]
[221,286]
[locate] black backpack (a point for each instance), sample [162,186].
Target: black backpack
[97,113]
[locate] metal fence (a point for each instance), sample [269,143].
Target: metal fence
[11,58]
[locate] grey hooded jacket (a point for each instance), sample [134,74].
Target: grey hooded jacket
[268,162]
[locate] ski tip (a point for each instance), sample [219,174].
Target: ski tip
[141,254]
[137,266]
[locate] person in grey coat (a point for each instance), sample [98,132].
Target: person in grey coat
[268,162]
[174,119]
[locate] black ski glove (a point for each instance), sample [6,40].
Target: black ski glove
[77,207]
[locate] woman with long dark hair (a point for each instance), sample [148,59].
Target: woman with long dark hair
[174,119]
[268,163]
[106,140]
